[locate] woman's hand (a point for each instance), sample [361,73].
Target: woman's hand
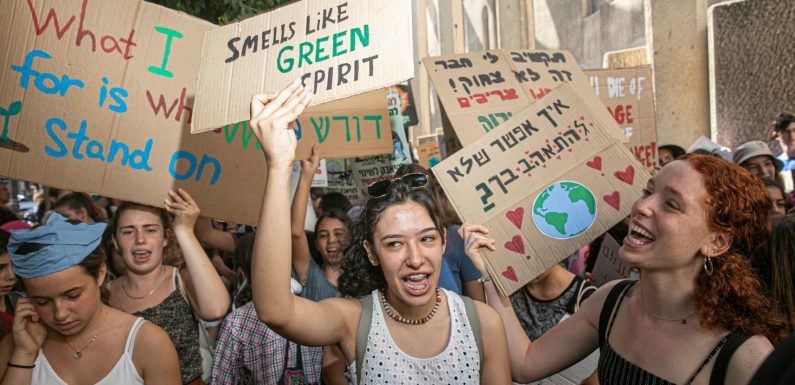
[270,116]
[29,330]
[474,236]
[184,208]
[310,166]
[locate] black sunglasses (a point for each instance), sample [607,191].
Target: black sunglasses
[381,188]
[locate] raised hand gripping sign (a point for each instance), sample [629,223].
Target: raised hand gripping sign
[546,182]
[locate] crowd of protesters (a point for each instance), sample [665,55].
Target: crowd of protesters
[101,291]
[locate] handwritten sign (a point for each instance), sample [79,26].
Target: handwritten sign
[546,182]
[338,49]
[629,96]
[482,90]
[97,96]
[608,265]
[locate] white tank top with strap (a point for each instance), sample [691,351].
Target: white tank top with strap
[123,373]
[386,363]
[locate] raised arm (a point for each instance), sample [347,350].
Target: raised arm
[207,293]
[293,317]
[22,346]
[298,215]
[564,345]
[214,238]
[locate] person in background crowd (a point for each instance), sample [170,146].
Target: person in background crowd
[698,313]
[395,255]
[248,352]
[774,261]
[64,333]
[784,131]
[755,156]
[165,295]
[5,195]
[7,281]
[79,207]
[667,153]
[464,274]
[775,192]
[316,193]
[333,201]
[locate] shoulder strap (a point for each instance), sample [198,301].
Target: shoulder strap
[607,308]
[718,375]
[365,318]
[474,323]
[129,346]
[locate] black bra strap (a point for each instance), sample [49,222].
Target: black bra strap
[608,308]
[718,375]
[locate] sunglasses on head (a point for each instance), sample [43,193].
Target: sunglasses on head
[381,188]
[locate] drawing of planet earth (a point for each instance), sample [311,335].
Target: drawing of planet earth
[564,210]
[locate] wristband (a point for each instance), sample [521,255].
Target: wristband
[11,365]
[484,278]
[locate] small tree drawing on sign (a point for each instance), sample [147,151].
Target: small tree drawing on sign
[6,142]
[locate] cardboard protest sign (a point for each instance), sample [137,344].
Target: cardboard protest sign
[481,90]
[368,170]
[629,96]
[545,183]
[403,99]
[97,97]
[338,49]
[428,150]
[608,265]
[341,180]
[321,176]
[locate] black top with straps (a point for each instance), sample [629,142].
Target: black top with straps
[615,369]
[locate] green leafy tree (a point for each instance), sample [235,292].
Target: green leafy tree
[222,11]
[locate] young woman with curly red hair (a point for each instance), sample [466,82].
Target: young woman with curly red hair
[696,316]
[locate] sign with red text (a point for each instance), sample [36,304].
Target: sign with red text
[97,96]
[628,95]
[545,183]
[481,90]
[338,49]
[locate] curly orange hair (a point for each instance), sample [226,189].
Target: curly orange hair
[732,297]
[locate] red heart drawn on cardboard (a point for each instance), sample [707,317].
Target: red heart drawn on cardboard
[627,176]
[510,273]
[596,163]
[613,200]
[515,217]
[516,245]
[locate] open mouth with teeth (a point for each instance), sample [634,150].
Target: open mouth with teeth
[417,284]
[141,255]
[639,236]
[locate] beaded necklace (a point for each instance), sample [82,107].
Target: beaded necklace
[397,317]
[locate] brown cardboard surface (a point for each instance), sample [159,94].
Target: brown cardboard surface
[629,96]
[530,161]
[137,63]
[481,90]
[428,150]
[365,41]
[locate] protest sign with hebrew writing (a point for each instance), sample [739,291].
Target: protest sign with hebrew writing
[628,95]
[481,90]
[545,183]
[608,265]
[338,48]
[97,96]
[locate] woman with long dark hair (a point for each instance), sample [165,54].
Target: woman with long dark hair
[409,329]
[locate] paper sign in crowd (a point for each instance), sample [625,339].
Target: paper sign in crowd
[97,96]
[628,95]
[546,182]
[481,90]
[338,49]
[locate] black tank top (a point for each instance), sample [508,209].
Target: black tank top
[616,370]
